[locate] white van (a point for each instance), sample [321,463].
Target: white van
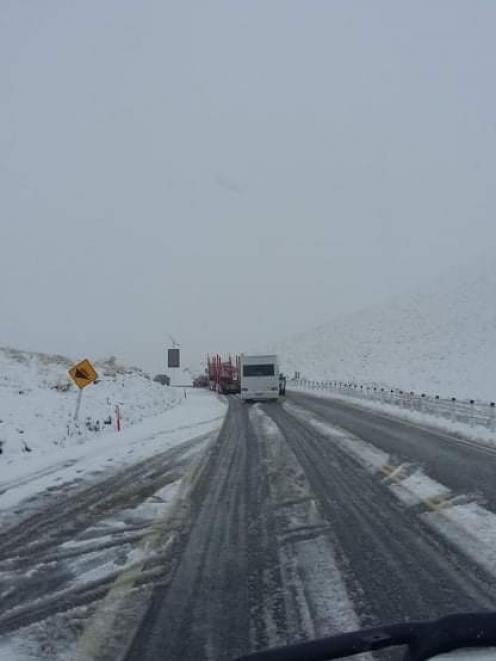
[259,377]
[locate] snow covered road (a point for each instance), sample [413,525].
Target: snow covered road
[283,526]
[294,537]
[75,521]
[464,466]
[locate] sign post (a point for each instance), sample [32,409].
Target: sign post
[83,374]
[78,403]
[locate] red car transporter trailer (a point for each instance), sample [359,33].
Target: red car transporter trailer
[223,375]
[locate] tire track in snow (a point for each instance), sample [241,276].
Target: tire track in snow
[257,570]
[38,567]
[395,567]
[457,517]
[76,508]
[312,581]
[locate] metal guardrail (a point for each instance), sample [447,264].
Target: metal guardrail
[471,412]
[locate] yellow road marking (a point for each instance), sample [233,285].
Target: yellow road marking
[393,474]
[437,503]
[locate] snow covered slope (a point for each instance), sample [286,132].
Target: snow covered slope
[439,340]
[37,403]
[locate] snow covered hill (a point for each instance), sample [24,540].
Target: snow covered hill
[37,402]
[438,340]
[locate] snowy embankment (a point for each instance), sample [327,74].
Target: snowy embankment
[85,507]
[43,447]
[38,401]
[440,341]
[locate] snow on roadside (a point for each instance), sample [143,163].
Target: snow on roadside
[38,400]
[116,548]
[200,413]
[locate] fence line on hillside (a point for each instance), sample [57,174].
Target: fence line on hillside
[467,411]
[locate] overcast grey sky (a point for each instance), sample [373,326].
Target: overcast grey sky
[230,171]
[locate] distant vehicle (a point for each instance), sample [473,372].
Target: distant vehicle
[200,381]
[259,377]
[282,384]
[163,379]
[223,375]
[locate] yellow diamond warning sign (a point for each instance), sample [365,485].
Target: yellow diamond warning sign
[83,373]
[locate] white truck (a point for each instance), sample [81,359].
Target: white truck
[259,378]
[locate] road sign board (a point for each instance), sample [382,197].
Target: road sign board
[83,373]
[173,358]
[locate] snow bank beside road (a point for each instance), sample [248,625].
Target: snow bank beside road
[38,400]
[201,413]
[97,521]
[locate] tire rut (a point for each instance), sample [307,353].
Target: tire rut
[395,567]
[229,569]
[39,583]
[76,510]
